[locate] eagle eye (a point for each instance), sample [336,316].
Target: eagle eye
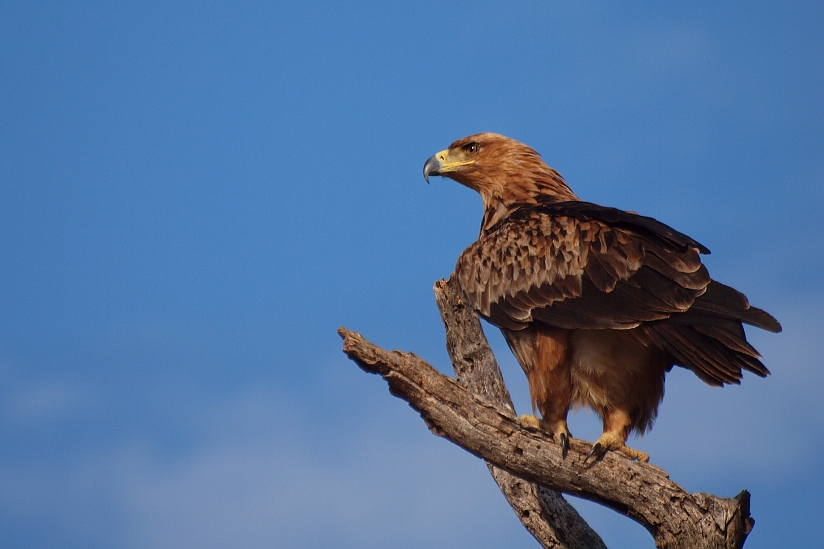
[472,149]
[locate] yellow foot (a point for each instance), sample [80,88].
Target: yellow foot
[529,422]
[610,441]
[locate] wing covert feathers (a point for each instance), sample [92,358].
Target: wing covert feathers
[578,272]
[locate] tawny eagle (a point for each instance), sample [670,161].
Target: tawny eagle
[596,303]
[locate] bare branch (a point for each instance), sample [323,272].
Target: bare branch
[644,492]
[544,512]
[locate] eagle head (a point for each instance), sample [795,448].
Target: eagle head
[499,168]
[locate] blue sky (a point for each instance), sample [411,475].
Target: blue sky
[194,196]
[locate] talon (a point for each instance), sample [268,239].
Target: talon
[597,450]
[559,432]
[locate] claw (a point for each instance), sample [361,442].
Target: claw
[597,451]
[564,445]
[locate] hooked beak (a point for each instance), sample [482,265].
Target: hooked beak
[434,165]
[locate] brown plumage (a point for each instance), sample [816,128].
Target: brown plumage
[597,304]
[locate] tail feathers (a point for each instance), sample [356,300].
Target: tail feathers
[715,355]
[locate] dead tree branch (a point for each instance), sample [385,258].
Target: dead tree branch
[675,518]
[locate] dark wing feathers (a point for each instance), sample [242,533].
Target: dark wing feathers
[716,357]
[688,275]
[595,309]
[675,297]
[692,357]
[503,316]
[729,338]
[725,302]
[576,265]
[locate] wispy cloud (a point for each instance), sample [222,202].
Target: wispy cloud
[51,400]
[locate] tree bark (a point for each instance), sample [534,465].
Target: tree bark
[489,430]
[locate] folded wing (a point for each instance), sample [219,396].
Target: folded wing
[575,265]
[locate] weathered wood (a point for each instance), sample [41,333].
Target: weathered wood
[676,519]
[544,512]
